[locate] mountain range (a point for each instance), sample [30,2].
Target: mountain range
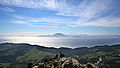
[80,36]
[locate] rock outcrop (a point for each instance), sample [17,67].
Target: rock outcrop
[69,63]
[60,61]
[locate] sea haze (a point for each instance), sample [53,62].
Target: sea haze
[71,41]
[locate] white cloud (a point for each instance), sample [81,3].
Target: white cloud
[104,22]
[108,21]
[113,22]
[18,17]
[7,9]
[84,9]
[22,34]
[43,19]
[50,20]
[41,22]
[34,25]
[19,22]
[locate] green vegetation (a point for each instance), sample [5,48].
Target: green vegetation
[19,55]
[33,55]
[5,65]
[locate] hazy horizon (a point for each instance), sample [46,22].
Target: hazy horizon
[94,21]
[38,35]
[71,42]
[74,17]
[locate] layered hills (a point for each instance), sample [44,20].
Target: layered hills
[14,55]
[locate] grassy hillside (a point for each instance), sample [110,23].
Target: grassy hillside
[18,55]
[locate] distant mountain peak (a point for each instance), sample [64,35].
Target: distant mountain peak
[54,35]
[59,34]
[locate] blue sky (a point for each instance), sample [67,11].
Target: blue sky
[37,17]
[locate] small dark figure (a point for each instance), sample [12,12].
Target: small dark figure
[56,57]
[61,55]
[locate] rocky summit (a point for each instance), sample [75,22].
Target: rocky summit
[60,61]
[69,63]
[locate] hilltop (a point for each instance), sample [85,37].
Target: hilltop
[15,55]
[60,61]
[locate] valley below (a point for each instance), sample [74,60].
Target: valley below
[19,55]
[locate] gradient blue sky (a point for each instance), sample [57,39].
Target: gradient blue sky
[36,17]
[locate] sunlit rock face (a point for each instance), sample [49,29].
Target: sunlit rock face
[60,61]
[70,63]
[64,62]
